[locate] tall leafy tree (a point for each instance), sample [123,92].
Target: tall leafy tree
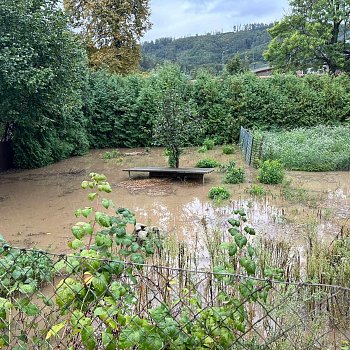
[111,30]
[42,71]
[175,124]
[315,33]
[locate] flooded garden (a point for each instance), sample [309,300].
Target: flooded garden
[37,206]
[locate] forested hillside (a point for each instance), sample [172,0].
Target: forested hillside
[210,51]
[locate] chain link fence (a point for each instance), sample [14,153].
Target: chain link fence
[51,301]
[251,146]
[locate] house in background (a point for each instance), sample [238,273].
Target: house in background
[263,72]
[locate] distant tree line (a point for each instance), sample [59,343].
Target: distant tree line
[210,51]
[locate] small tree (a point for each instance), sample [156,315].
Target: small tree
[236,65]
[174,123]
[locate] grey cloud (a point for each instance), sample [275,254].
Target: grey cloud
[178,18]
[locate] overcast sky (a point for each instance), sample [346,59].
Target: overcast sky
[177,18]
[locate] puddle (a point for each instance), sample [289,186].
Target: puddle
[37,206]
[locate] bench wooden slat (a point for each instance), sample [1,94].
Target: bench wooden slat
[164,172]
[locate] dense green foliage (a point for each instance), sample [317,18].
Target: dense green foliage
[24,271]
[175,118]
[234,176]
[110,30]
[166,108]
[313,34]
[314,149]
[207,163]
[218,194]
[210,51]
[228,149]
[42,71]
[113,110]
[271,172]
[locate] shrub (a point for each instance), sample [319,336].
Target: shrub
[256,190]
[209,144]
[202,149]
[224,168]
[235,176]
[110,155]
[228,149]
[218,194]
[271,172]
[207,163]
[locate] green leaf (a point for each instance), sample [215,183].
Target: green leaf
[84,185]
[101,313]
[232,250]
[92,196]
[99,282]
[76,244]
[233,231]
[240,240]
[106,203]
[137,258]
[87,337]
[250,267]
[5,304]
[26,288]
[54,330]
[103,241]
[86,212]
[78,232]
[103,219]
[249,230]
[234,222]
[251,251]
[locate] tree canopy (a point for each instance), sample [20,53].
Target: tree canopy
[110,30]
[315,33]
[42,69]
[174,122]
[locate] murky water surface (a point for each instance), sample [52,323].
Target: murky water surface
[37,206]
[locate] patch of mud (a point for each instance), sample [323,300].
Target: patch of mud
[152,187]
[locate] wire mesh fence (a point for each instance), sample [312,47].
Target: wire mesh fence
[51,301]
[251,146]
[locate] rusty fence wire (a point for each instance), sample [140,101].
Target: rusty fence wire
[53,301]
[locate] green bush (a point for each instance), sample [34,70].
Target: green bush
[235,176]
[224,168]
[111,154]
[202,149]
[228,149]
[256,190]
[209,144]
[207,163]
[271,172]
[218,194]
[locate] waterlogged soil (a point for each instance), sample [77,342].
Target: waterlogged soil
[37,206]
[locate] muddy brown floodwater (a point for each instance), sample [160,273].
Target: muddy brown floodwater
[37,206]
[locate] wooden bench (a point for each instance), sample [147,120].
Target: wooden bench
[192,173]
